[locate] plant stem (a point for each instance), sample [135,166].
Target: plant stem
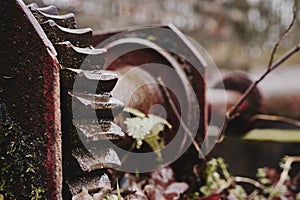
[284,174]
[275,118]
[281,37]
[186,129]
[232,112]
[248,180]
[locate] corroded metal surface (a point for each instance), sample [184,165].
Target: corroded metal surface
[153,46]
[106,109]
[56,33]
[51,10]
[89,102]
[43,15]
[72,56]
[93,132]
[95,81]
[29,81]
[30,67]
[102,157]
[91,183]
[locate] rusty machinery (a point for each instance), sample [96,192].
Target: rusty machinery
[42,53]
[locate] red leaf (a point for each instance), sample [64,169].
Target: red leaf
[174,190]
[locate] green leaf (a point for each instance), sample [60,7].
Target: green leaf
[134,112]
[156,119]
[223,167]
[239,192]
[276,135]
[146,128]
[139,127]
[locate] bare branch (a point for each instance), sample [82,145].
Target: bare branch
[284,174]
[275,118]
[281,37]
[232,112]
[248,180]
[186,129]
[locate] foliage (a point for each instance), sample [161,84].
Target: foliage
[147,129]
[270,185]
[218,179]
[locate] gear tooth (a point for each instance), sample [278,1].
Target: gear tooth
[78,37]
[51,10]
[80,62]
[72,57]
[92,183]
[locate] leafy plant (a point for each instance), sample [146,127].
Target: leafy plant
[146,129]
[270,184]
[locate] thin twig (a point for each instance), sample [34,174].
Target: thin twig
[186,129]
[284,174]
[275,118]
[232,112]
[253,182]
[253,195]
[239,179]
[281,37]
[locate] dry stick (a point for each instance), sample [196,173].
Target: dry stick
[284,175]
[281,37]
[186,129]
[239,179]
[232,112]
[275,118]
[248,180]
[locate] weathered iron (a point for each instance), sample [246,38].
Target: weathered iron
[44,14]
[68,55]
[51,10]
[77,37]
[46,91]
[30,66]
[74,50]
[29,81]
[98,184]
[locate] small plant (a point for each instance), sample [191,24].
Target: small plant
[270,184]
[146,128]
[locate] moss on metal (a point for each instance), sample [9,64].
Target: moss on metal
[21,161]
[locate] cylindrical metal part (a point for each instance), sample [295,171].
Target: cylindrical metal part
[280,91]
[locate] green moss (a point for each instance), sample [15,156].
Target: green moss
[22,173]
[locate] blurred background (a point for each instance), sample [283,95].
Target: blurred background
[238,34]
